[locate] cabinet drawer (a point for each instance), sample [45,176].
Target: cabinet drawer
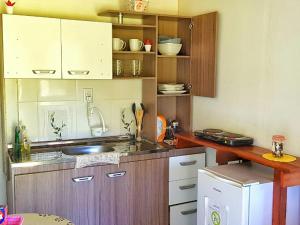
[183,167]
[182,191]
[184,214]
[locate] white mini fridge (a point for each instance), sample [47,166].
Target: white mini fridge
[240,194]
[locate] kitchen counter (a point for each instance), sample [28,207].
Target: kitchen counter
[48,156]
[51,155]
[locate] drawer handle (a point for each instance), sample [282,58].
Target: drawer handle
[78,72]
[188,212]
[186,187]
[189,163]
[82,179]
[114,175]
[44,71]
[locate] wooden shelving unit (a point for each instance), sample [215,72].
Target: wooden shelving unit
[195,64]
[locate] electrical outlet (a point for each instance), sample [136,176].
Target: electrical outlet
[88,94]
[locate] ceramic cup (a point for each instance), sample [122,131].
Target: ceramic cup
[118,44]
[135,45]
[148,48]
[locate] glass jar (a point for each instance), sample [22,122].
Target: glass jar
[277,145]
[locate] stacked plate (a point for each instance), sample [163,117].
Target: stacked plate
[169,89]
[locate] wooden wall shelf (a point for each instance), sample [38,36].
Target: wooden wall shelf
[198,39]
[134,78]
[134,26]
[136,14]
[172,95]
[174,56]
[130,52]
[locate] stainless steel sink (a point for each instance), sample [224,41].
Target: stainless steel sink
[89,149]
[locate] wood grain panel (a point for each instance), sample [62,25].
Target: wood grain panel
[150,102]
[183,112]
[184,33]
[203,59]
[290,179]
[166,106]
[151,192]
[167,26]
[167,70]
[183,71]
[55,193]
[279,200]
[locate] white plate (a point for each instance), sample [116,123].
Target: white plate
[173,92]
[170,85]
[171,89]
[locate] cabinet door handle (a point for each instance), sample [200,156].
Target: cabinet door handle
[117,174]
[44,71]
[186,187]
[83,179]
[78,72]
[188,212]
[188,163]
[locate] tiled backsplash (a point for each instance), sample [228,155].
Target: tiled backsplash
[32,100]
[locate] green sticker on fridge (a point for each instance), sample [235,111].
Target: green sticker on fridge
[215,213]
[215,218]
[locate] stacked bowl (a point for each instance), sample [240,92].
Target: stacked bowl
[169,45]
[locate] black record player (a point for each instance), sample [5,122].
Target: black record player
[223,137]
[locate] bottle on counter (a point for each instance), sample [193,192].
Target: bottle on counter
[17,145]
[25,144]
[21,150]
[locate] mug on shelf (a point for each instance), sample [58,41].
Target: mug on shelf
[118,44]
[135,45]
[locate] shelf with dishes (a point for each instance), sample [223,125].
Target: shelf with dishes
[172,89]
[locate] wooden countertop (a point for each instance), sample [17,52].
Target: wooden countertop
[253,153]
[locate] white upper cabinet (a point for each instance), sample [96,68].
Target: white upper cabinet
[86,50]
[32,47]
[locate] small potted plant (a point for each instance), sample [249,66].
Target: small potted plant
[9,6]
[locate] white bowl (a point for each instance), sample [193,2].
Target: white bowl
[169,48]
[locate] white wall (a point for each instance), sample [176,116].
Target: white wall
[258,83]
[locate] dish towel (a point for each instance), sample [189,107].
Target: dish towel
[105,157]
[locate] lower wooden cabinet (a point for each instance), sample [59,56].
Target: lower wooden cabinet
[133,193]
